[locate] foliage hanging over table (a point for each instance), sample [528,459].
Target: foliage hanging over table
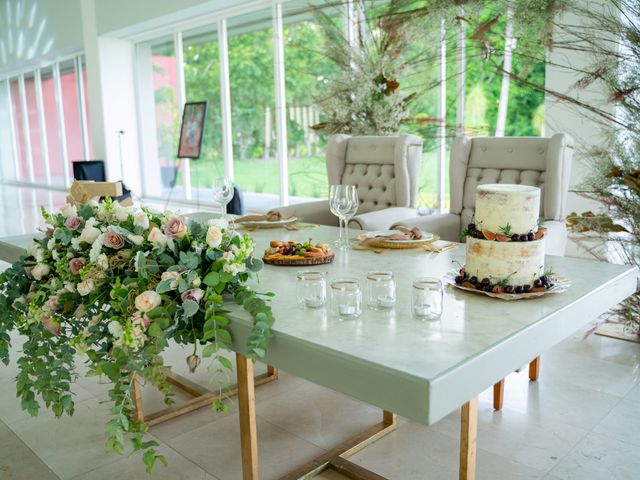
[115,284]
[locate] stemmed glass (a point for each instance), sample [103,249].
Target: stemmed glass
[223,193]
[343,203]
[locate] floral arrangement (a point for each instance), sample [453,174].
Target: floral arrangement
[114,284]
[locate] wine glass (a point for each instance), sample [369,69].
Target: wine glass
[223,193]
[343,203]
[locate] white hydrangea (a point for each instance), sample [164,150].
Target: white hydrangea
[96,249]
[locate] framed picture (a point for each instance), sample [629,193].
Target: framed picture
[192,129]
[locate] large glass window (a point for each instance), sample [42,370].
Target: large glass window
[56,160]
[307,70]
[256,168]
[167,111]
[72,117]
[202,83]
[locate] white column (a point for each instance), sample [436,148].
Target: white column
[62,131]
[461,78]
[281,103]
[225,99]
[152,179]
[82,110]
[509,44]
[442,115]
[13,132]
[349,19]
[44,143]
[182,98]
[25,127]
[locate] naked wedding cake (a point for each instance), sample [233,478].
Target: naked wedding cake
[505,244]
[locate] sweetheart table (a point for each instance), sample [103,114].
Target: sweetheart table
[422,370]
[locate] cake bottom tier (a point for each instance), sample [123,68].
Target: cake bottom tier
[520,263]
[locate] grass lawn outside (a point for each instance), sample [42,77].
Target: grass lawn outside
[307,176]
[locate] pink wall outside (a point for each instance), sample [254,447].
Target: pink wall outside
[72,124]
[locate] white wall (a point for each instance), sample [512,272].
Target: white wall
[560,117]
[112,100]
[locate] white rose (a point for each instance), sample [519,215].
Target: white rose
[121,213]
[40,270]
[196,282]
[148,300]
[141,219]
[234,268]
[103,262]
[69,211]
[85,287]
[33,249]
[214,236]
[157,237]
[228,256]
[89,234]
[136,239]
[173,276]
[115,328]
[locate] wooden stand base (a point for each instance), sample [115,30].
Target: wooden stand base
[617,330]
[336,458]
[498,388]
[202,396]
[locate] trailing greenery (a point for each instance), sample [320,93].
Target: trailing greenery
[114,285]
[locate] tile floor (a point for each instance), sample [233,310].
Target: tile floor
[579,421]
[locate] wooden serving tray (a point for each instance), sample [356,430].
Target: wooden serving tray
[299,262]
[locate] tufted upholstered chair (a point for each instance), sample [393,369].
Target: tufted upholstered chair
[386,172]
[535,161]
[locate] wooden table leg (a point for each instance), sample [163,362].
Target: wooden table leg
[138,413]
[468,439]
[247,414]
[534,369]
[498,395]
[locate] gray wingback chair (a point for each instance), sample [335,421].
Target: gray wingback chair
[386,172]
[535,161]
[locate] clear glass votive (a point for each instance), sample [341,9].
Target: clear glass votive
[381,290]
[427,298]
[346,298]
[311,289]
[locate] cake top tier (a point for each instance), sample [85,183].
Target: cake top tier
[499,206]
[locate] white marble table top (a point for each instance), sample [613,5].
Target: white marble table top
[422,370]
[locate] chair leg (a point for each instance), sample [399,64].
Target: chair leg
[534,369]
[498,395]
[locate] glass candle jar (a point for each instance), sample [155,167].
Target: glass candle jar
[346,298]
[381,290]
[311,289]
[427,298]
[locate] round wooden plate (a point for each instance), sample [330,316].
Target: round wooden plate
[299,262]
[560,285]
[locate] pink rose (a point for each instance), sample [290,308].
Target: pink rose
[194,294]
[77,264]
[147,301]
[74,223]
[113,240]
[176,227]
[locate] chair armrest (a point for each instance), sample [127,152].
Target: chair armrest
[445,225]
[382,219]
[556,237]
[311,212]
